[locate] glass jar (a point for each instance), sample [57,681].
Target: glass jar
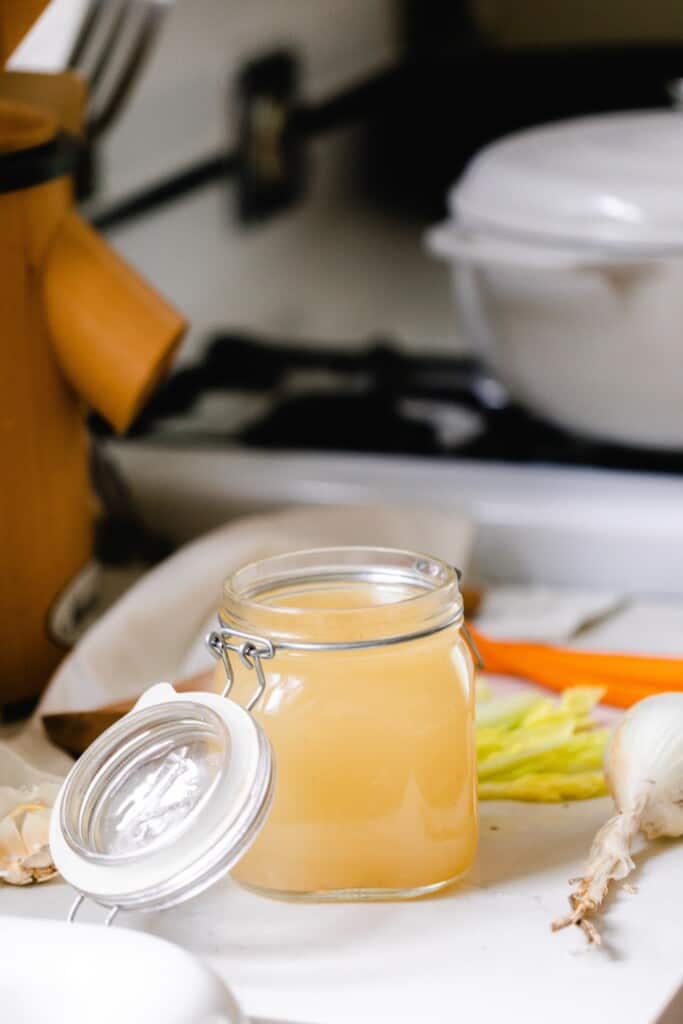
[353,662]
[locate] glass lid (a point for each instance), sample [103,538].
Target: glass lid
[146,782]
[164,802]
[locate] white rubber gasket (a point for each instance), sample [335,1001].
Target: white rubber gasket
[108,882]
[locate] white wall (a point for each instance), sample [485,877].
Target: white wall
[179,111]
[329,270]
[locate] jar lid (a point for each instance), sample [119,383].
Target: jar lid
[163,803]
[612,180]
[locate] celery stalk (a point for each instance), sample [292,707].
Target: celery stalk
[532,748]
[545,787]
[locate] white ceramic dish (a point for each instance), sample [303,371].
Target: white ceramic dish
[566,245]
[58,973]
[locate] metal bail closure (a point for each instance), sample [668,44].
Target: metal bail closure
[251,649]
[474,650]
[164,803]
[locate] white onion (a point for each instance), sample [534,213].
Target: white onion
[644,773]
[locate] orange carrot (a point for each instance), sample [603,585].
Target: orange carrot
[627,678]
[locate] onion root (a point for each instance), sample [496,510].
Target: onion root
[609,860]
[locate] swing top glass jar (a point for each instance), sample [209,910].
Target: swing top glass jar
[353,662]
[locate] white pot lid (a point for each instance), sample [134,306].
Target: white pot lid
[164,802]
[614,180]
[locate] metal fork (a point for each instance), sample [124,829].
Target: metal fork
[110,50]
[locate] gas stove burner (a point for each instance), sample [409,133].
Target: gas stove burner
[282,395]
[378,399]
[453,425]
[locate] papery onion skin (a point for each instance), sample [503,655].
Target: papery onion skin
[644,774]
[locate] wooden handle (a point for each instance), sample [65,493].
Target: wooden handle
[74,731]
[45,509]
[23,126]
[62,96]
[114,335]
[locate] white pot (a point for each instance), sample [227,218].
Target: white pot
[566,245]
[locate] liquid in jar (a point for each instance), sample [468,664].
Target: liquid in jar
[374,747]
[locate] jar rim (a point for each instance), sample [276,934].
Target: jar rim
[436,583]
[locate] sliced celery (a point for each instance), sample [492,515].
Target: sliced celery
[504,712]
[580,700]
[530,747]
[523,745]
[545,787]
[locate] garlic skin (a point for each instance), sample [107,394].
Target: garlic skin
[26,799]
[24,848]
[644,774]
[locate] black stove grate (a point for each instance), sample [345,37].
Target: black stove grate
[374,399]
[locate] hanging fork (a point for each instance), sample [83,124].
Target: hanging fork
[110,50]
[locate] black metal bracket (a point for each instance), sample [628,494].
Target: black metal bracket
[25,168]
[270,155]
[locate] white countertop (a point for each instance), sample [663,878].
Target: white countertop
[482,952]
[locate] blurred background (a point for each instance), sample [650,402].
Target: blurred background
[372,315]
[430,256]
[273,170]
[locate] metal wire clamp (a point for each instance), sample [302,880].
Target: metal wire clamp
[76,905]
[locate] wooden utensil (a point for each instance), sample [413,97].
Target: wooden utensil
[62,96]
[74,731]
[78,325]
[471,599]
